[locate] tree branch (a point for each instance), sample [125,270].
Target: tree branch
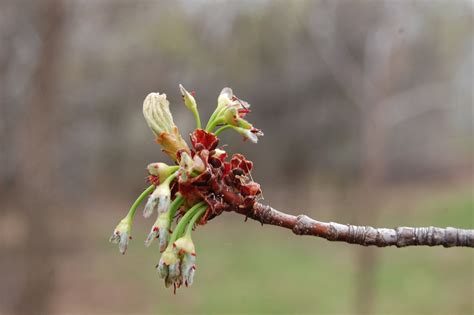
[363,235]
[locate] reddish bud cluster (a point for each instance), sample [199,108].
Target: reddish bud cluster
[224,185]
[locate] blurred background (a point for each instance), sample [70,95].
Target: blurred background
[367,109]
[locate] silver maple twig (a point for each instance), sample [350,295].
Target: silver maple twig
[363,235]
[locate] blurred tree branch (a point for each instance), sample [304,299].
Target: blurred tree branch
[363,235]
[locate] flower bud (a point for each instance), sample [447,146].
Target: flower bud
[160,229]
[188,99]
[249,134]
[230,116]
[121,234]
[161,170]
[159,199]
[185,245]
[170,256]
[168,267]
[157,113]
[159,119]
[225,97]
[186,250]
[164,197]
[150,205]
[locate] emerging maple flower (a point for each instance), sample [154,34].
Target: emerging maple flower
[160,230]
[186,249]
[159,119]
[121,234]
[233,115]
[161,170]
[188,99]
[160,199]
[249,134]
[168,267]
[161,227]
[191,104]
[225,97]
[164,197]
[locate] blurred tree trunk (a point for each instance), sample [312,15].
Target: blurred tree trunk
[380,50]
[373,169]
[36,181]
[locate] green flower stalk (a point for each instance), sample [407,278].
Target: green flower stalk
[221,129]
[183,222]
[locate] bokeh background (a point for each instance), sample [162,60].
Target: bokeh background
[367,109]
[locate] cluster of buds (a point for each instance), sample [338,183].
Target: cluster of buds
[200,185]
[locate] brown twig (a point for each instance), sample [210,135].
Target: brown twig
[363,235]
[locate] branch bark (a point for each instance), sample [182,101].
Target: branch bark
[363,235]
